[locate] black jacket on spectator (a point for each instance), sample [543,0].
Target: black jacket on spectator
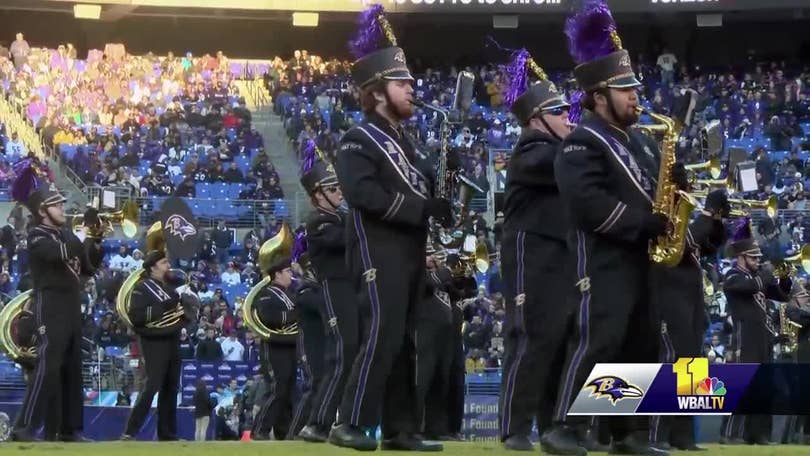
[222,237]
[209,350]
[203,404]
[186,347]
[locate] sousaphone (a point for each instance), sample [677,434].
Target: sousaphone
[275,248]
[175,233]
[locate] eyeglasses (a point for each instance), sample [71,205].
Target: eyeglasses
[556,111]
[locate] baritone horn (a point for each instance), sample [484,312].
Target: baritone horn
[154,241]
[9,317]
[740,207]
[713,166]
[127,217]
[787,266]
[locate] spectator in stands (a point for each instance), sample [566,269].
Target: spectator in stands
[231,276]
[123,262]
[223,238]
[232,348]
[20,51]
[186,345]
[15,148]
[203,406]
[667,63]
[208,349]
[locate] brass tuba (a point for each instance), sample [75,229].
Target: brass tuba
[670,201]
[127,217]
[273,249]
[154,241]
[9,316]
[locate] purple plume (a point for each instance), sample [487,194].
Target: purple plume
[742,229]
[589,32]
[309,156]
[518,76]
[25,181]
[575,111]
[299,246]
[370,32]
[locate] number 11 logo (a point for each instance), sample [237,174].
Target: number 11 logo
[690,372]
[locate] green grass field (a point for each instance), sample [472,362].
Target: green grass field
[305,449]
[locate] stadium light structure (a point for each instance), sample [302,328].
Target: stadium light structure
[84,11]
[305,19]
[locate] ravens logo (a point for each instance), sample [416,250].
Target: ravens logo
[614,388]
[179,226]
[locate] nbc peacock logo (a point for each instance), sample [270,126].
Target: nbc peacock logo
[711,387]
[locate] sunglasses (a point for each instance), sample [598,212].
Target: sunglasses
[331,189]
[556,111]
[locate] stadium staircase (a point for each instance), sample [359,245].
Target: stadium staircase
[276,144]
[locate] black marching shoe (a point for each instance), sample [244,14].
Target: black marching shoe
[591,442]
[663,446]
[408,442]
[562,440]
[126,438]
[311,433]
[258,436]
[518,443]
[347,436]
[22,435]
[75,438]
[691,447]
[635,446]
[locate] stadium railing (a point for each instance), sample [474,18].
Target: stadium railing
[238,213]
[13,117]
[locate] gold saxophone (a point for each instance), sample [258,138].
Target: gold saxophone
[788,329]
[670,201]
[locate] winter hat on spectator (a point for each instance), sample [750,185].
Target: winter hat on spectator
[375,48]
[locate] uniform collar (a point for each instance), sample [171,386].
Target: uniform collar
[385,125]
[592,118]
[47,228]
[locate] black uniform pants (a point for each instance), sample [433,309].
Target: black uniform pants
[677,295]
[342,342]
[613,324]
[390,276]
[310,308]
[434,356]
[161,359]
[455,390]
[55,395]
[538,320]
[754,342]
[276,405]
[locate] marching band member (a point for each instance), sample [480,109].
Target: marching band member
[677,294]
[326,243]
[535,258]
[277,311]
[388,191]
[748,285]
[59,262]
[433,338]
[153,300]
[607,197]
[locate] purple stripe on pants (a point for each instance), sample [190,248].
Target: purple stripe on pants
[506,419]
[36,387]
[371,346]
[330,389]
[584,303]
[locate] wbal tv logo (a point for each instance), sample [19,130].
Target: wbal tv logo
[696,390]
